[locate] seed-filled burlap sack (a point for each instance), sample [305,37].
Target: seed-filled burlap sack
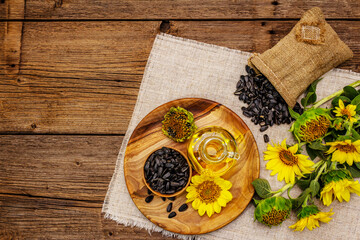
[311,49]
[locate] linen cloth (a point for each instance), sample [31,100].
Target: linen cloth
[179,68]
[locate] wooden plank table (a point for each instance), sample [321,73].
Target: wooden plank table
[70,72]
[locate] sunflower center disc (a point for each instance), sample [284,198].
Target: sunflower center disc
[288,158]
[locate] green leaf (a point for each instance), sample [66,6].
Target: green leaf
[315,187]
[355,134]
[297,202]
[356,102]
[312,88]
[262,187]
[335,101]
[256,202]
[310,97]
[307,99]
[304,183]
[293,114]
[355,172]
[357,164]
[317,146]
[311,152]
[350,92]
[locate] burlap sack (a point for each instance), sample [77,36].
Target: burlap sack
[311,49]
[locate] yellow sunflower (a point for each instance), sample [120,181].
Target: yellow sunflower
[344,151]
[309,217]
[286,163]
[339,190]
[348,111]
[208,194]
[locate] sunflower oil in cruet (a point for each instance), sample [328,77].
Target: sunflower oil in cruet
[213,150]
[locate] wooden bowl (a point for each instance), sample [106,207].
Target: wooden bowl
[176,193]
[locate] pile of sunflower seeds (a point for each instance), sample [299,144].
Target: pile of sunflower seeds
[265,106]
[166,171]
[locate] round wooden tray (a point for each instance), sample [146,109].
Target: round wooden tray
[147,137]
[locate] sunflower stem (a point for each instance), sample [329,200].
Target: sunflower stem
[305,203]
[325,99]
[283,189]
[316,165]
[320,171]
[333,165]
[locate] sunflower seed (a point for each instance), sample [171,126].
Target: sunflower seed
[172,214]
[169,207]
[183,207]
[149,198]
[263,128]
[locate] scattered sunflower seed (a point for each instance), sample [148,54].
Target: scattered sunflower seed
[172,214]
[183,207]
[169,207]
[149,198]
[266,138]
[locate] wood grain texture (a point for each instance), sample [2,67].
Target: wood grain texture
[148,137]
[53,187]
[12,9]
[88,82]
[10,42]
[24,217]
[184,9]
[73,167]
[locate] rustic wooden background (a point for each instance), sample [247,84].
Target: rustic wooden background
[70,72]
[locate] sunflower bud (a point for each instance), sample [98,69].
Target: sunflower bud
[307,211]
[273,211]
[310,217]
[311,125]
[339,184]
[336,175]
[338,124]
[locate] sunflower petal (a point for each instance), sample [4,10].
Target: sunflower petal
[217,207]
[209,209]
[202,209]
[196,204]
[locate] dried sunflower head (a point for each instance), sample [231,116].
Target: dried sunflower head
[273,211]
[178,124]
[311,125]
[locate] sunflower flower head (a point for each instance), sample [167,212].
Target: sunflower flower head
[348,111]
[273,211]
[286,162]
[178,124]
[312,125]
[344,151]
[338,185]
[309,217]
[208,193]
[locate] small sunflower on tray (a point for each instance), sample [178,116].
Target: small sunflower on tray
[208,194]
[331,138]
